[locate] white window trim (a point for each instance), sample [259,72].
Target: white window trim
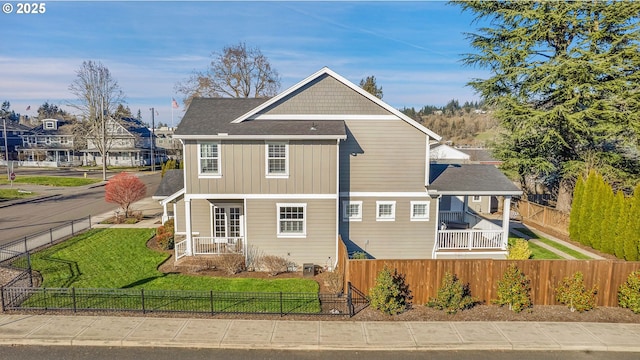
[393,211]
[303,234]
[473,198]
[210,175]
[420,218]
[345,207]
[286,160]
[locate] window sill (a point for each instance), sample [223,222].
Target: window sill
[385,219]
[272,176]
[210,176]
[292,236]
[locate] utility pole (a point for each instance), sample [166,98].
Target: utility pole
[153,132]
[6,146]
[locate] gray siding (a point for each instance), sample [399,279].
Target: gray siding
[325,95]
[312,169]
[180,223]
[399,239]
[201,217]
[390,156]
[319,244]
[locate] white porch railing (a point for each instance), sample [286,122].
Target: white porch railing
[180,249]
[213,245]
[470,240]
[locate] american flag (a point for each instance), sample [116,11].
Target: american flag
[28,107]
[174,103]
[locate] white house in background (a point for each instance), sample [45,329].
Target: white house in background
[128,145]
[49,145]
[444,154]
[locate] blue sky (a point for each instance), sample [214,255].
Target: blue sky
[412,48]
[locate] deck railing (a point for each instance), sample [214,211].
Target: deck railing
[470,240]
[216,245]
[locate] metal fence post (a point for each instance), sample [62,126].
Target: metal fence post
[281,311]
[2,298]
[211,298]
[350,300]
[26,248]
[72,232]
[73,295]
[142,298]
[50,236]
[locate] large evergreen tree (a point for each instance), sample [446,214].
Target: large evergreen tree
[564,78]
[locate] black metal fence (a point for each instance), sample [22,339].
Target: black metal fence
[174,301]
[44,238]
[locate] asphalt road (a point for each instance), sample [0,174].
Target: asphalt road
[61,204]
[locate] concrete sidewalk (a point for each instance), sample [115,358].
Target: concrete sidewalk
[309,335]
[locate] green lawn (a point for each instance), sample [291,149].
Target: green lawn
[12,194]
[52,180]
[564,249]
[537,252]
[119,258]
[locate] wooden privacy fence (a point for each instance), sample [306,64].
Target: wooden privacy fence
[544,217]
[424,277]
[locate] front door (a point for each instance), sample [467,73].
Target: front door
[227,223]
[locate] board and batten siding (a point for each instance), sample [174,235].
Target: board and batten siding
[201,217]
[328,96]
[179,217]
[398,239]
[382,156]
[319,245]
[312,169]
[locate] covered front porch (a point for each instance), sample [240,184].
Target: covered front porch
[468,225]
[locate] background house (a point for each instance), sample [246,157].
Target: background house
[128,144]
[50,144]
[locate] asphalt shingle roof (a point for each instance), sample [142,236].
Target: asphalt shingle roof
[466,178]
[171,183]
[214,116]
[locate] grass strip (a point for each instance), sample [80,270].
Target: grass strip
[53,181]
[565,249]
[13,194]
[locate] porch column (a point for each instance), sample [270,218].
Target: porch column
[187,217]
[165,216]
[506,210]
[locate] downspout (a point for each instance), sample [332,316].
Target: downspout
[506,210]
[434,253]
[335,261]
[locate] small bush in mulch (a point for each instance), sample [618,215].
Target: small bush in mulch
[629,293]
[514,290]
[573,292]
[391,294]
[453,295]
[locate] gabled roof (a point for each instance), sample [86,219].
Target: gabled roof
[446,152]
[254,113]
[469,179]
[212,119]
[171,185]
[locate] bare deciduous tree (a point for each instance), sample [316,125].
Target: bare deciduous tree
[238,71]
[98,95]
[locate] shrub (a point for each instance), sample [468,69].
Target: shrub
[230,263]
[513,290]
[572,292]
[519,249]
[274,265]
[629,292]
[333,280]
[164,235]
[453,295]
[254,258]
[390,295]
[359,255]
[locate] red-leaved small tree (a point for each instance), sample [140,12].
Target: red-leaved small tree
[124,189]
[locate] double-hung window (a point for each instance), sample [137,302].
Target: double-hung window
[292,220]
[419,211]
[351,211]
[209,159]
[385,210]
[277,159]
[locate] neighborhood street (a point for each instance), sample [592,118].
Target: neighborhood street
[57,205]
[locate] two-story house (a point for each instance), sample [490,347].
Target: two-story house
[128,143]
[323,160]
[11,133]
[50,144]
